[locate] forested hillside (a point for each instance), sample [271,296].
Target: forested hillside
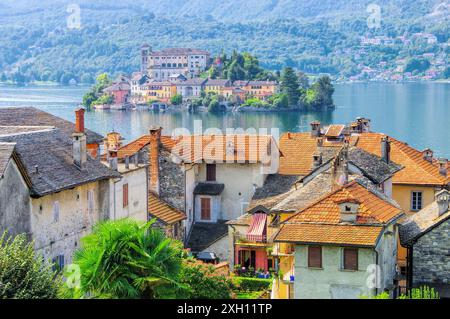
[325,36]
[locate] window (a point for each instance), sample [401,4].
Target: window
[125,195]
[176,230]
[206,208]
[314,256]
[416,201]
[350,256]
[58,263]
[56,212]
[210,172]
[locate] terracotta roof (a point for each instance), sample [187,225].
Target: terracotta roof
[298,150]
[417,171]
[334,130]
[163,211]
[374,208]
[238,148]
[364,236]
[320,221]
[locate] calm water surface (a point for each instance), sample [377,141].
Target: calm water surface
[418,113]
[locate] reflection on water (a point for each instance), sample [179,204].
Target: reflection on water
[417,113]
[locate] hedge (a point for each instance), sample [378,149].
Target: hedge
[252,284]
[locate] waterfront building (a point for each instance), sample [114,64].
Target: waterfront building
[160,65]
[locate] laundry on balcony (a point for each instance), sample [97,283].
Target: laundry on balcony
[257,229]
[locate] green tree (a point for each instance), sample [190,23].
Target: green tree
[419,65]
[214,105]
[23,274]
[127,259]
[177,99]
[324,91]
[289,86]
[203,283]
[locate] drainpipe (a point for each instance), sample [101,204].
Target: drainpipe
[185,204]
[376,274]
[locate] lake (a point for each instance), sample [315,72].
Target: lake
[417,113]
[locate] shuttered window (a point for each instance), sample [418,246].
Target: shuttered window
[315,256]
[350,256]
[210,172]
[206,209]
[125,195]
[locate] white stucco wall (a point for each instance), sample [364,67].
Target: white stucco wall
[240,181]
[332,282]
[220,248]
[136,178]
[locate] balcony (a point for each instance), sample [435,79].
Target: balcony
[240,238]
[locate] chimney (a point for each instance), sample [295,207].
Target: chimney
[385,149]
[428,155]
[79,140]
[348,210]
[153,153]
[317,160]
[112,144]
[113,163]
[443,163]
[315,129]
[79,121]
[443,200]
[320,142]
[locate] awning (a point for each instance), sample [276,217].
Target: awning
[256,231]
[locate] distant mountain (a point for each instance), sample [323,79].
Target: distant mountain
[315,36]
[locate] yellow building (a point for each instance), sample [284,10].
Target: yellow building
[216,86]
[259,89]
[161,91]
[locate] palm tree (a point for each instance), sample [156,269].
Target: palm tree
[126,259]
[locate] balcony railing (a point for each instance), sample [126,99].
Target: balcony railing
[242,238]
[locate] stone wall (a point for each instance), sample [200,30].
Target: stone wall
[15,202]
[431,256]
[171,181]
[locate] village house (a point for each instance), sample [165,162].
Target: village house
[130,191]
[412,188]
[158,91]
[216,86]
[208,188]
[426,235]
[284,195]
[120,91]
[160,65]
[137,81]
[60,191]
[344,244]
[191,88]
[258,89]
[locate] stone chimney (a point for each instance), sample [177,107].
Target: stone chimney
[348,209]
[428,155]
[315,129]
[386,149]
[153,158]
[443,164]
[112,144]
[79,140]
[317,159]
[443,201]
